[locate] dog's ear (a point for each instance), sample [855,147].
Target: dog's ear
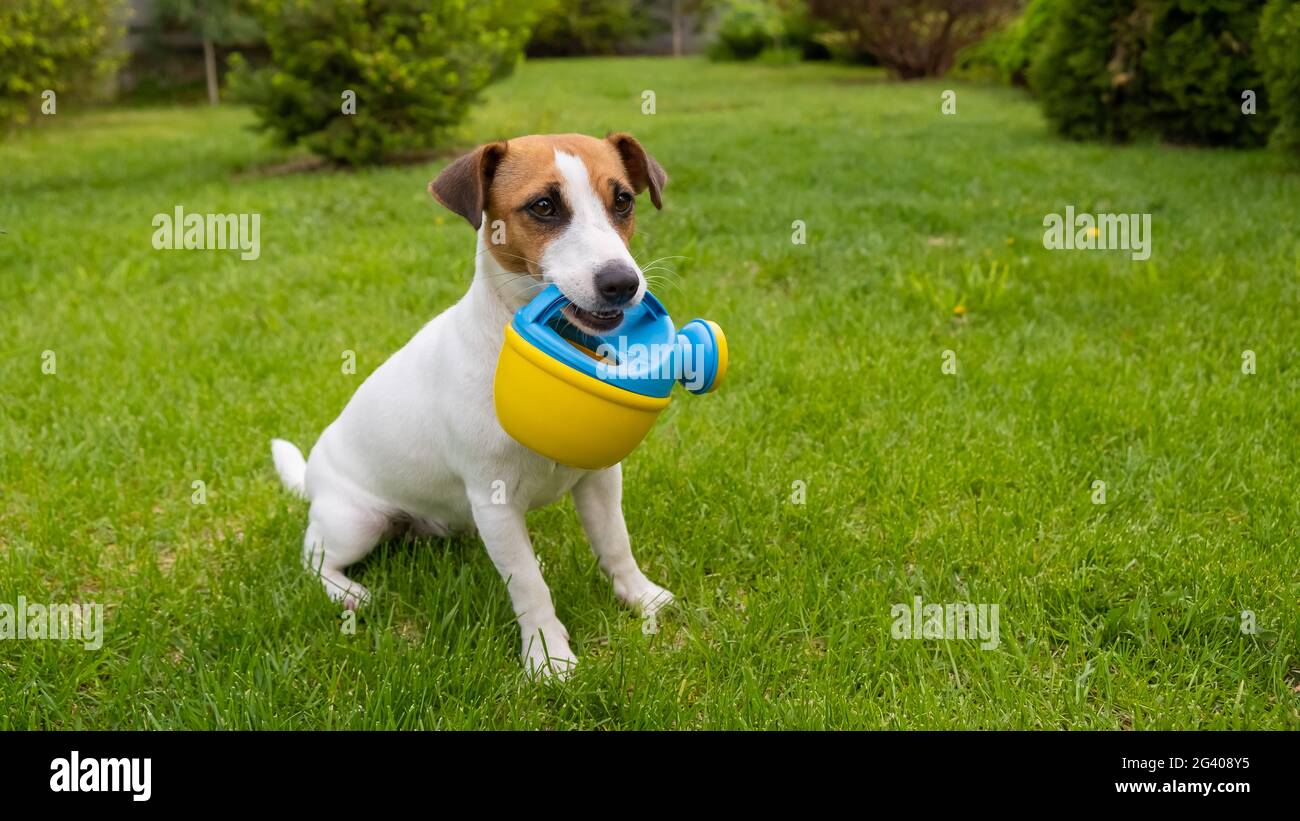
[463,186]
[641,168]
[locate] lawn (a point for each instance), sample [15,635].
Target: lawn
[924,235]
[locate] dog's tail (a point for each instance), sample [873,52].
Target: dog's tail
[291,466]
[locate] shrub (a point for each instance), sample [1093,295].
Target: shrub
[415,67]
[914,38]
[1085,73]
[1278,50]
[844,47]
[990,58]
[576,27]
[61,45]
[1196,61]
[1006,55]
[1170,68]
[803,32]
[745,28]
[779,31]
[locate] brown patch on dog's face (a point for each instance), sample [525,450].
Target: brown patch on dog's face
[514,182]
[561,208]
[527,196]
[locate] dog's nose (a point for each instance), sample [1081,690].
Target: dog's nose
[617,282]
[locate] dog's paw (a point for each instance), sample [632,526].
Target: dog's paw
[644,596]
[356,598]
[546,654]
[346,592]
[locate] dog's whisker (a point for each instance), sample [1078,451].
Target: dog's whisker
[526,293]
[510,274]
[673,281]
[663,286]
[509,254]
[514,276]
[653,262]
[524,290]
[657,264]
[528,289]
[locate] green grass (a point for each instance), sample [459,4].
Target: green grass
[1073,367]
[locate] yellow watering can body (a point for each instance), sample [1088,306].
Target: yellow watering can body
[586,401]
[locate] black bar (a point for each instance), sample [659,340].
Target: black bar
[337,770]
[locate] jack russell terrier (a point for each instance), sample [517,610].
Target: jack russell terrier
[419,447]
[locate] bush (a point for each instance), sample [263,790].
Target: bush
[843,47]
[65,46]
[415,67]
[745,28]
[1196,61]
[1006,55]
[1085,73]
[577,27]
[913,38]
[778,30]
[1279,61]
[990,58]
[1170,68]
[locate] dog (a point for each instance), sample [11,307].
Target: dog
[418,447]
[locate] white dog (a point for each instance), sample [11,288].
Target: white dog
[419,445]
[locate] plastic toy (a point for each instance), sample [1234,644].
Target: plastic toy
[588,401]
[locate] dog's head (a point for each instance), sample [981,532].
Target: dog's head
[560,207]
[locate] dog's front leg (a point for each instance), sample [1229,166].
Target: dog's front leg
[545,641]
[599,499]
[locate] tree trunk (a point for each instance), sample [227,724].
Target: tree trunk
[678,25]
[210,67]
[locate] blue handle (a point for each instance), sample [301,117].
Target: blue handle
[643,355]
[700,355]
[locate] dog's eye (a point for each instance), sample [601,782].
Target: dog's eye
[623,202]
[543,207]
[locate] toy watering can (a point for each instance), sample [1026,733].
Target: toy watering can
[588,401]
